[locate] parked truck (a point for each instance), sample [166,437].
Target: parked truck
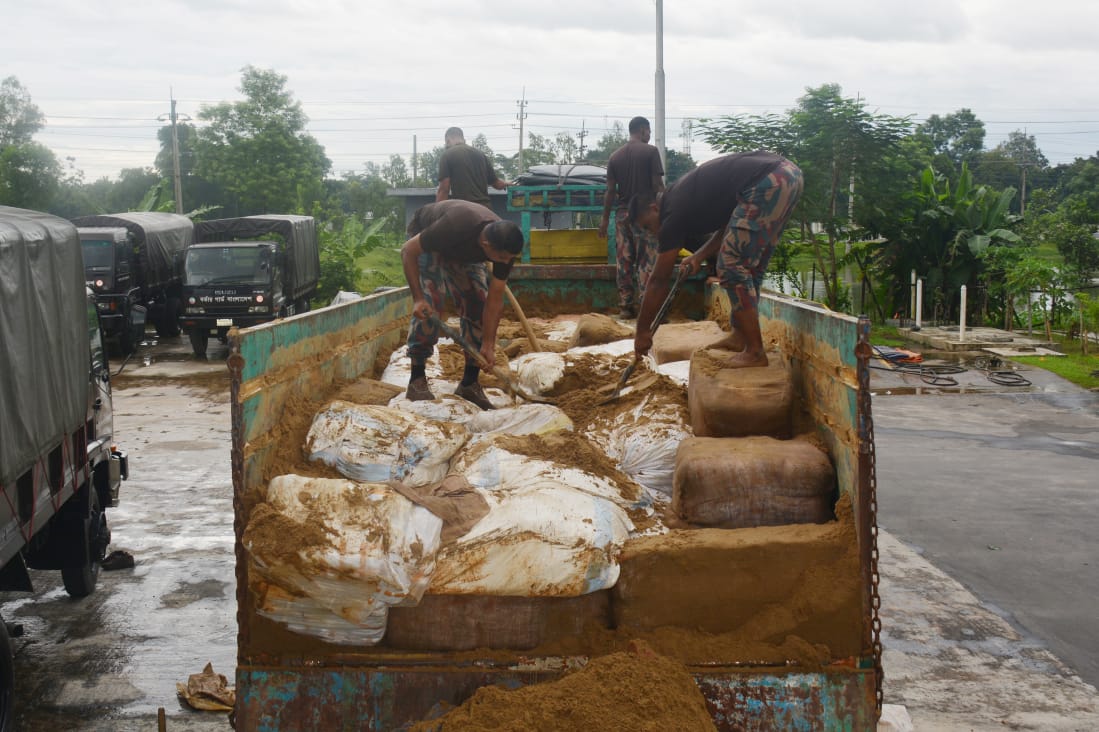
[245,271]
[288,679]
[59,467]
[133,263]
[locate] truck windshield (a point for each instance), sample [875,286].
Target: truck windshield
[227,265]
[98,254]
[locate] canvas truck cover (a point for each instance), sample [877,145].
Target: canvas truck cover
[160,238]
[299,232]
[44,348]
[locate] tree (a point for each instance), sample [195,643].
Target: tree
[614,138]
[1015,162]
[29,172]
[956,138]
[395,172]
[20,119]
[678,165]
[838,144]
[944,232]
[257,149]
[29,176]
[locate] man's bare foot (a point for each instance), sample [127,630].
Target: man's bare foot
[732,342]
[746,359]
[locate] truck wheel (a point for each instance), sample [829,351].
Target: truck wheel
[80,580]
[199,341]
[7,680]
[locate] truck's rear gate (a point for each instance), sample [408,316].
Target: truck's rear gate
[289,681]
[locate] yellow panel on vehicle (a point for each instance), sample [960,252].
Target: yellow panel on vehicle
[567,246]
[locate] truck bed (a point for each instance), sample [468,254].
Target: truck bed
[450,645]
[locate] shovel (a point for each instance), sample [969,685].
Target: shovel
[657,319]
[498,372]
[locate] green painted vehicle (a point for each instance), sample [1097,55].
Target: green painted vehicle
[287,681]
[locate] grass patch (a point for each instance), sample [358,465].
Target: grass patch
[380,267]
[887,335]
[1074,366]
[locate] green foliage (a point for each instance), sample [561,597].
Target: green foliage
[838,144]
[677,165]
[29,175]
[19,117]
[942,234]
[1079,366]
[341,244]
[615,138]
[955,138]
[257,151]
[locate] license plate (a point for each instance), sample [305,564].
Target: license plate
[224,322]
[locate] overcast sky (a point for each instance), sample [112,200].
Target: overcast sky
[374,74]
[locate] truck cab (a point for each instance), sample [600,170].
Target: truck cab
[231,283]
[108,272]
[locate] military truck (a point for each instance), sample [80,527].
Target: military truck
[59,467]
[133,263]
[245,271]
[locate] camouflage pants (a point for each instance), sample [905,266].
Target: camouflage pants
[635,252]
[754,230]
[466,283]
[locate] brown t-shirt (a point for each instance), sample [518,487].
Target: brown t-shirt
[633,167]
[469,170]
[702,201]
[452,229]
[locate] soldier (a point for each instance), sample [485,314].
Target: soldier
[465,172]
[735,206]
[633,169]
[446,254]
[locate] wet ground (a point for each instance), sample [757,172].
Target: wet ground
[995,485]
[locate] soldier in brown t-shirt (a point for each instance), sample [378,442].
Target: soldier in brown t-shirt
[449,244]
[465,172]
[632,169]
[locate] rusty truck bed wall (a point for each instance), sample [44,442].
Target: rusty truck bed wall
[307,685]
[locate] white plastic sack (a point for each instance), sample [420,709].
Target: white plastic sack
[445,407]
[491,467]
[399,370]
[305,615]
[613,349]
[643,441]
[536,542]
[677,371]
[522,419]
[538,373]
[380,551]
[372,443]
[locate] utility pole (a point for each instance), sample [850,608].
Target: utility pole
[660,84]
[687,131]
[414,157]
[522,116]
[582,134]
[174,118]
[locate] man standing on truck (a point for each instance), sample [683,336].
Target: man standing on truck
[633,169]
[446,254]
[735,206]
[465,172]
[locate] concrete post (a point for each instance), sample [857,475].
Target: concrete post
[961,319]
[919,303]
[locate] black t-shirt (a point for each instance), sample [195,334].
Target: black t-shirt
[633,167]
[702,201]
[469,170]
[452,229]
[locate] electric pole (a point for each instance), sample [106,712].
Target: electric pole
[414,156]
[174,118]
[582,134]
[522,116]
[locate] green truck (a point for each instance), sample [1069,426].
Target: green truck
[59,467]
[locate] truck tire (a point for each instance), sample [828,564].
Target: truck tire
[80,580]
[199,341]
[7,680]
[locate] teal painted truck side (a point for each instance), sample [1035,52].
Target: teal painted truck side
[291,682]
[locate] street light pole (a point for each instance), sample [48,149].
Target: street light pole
[660,84]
